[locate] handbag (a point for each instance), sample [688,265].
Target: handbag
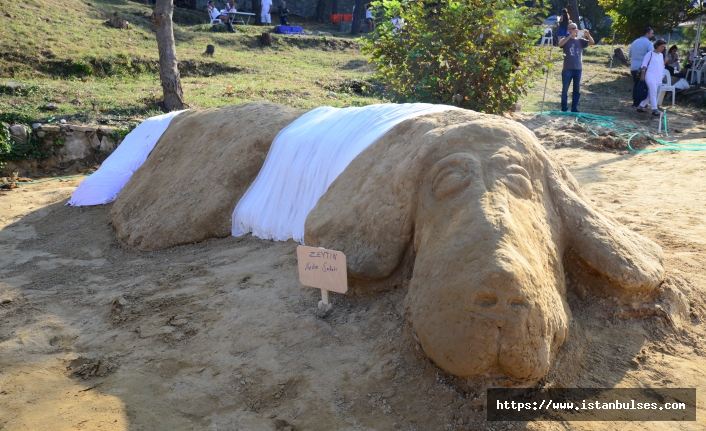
[641,92]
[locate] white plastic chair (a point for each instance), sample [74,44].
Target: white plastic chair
[548,37]
[666,86]
[695,72]
[213,20]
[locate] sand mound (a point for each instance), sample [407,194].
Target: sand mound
[186,190]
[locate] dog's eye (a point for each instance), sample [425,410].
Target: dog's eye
[451,175]
[517,179]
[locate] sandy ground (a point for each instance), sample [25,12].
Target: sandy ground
[221,336]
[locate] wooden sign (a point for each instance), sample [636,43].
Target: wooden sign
[323,269]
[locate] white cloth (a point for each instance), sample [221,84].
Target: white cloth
[305,158]
[265,18]
[682,84]
[229,9]
[103,185]
[638,49]
[368,14]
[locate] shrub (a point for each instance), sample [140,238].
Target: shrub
[11,150]
[477,54]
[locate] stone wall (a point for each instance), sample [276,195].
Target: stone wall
[70,147]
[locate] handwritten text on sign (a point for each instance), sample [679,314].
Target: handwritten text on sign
[323,269]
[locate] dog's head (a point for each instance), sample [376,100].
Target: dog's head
[490,215]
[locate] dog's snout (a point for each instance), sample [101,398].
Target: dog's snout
[501,293]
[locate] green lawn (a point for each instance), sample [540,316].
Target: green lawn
[97,73]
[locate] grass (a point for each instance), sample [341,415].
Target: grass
[95,73]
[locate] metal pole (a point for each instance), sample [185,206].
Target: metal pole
[698,36]
[546,80]
[612,52]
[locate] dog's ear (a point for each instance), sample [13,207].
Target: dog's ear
[368,212]
[631,261]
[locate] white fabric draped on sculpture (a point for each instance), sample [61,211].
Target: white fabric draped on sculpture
[103,186]
[305,158]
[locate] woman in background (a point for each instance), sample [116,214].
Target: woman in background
[671,62]
[230,7]
[652,70]
[564,21]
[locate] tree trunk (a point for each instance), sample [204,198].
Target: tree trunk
[320,6]
[358,15]
[334,7]
[168,70]
[256,10]
[574,12]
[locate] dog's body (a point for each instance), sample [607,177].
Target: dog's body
[470,205]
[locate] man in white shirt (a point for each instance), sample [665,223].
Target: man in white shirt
[638,49]
[265,11]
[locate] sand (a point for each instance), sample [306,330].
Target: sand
[221,335]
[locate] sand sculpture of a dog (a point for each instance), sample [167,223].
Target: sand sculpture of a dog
[480,214]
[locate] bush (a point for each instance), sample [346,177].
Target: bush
[13,151]
[477,54]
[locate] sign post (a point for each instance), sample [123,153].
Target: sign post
[322,269]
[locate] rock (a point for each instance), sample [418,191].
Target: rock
[119,302]
[93,138]
[36,125]
[12,85]
[50,107]
[19,133]
[6,301]
[106,145]
[179,322]
[76,147]
[102,371]
[75,102]
[120,23]
[51,129]
[82,128]
[332,95]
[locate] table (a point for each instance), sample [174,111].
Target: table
[234,17]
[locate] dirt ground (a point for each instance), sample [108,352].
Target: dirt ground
[220,335]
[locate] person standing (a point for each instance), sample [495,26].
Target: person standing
[652,70]
[564,21]
[573,65]
[282,11]
[265,7]
[638,49]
